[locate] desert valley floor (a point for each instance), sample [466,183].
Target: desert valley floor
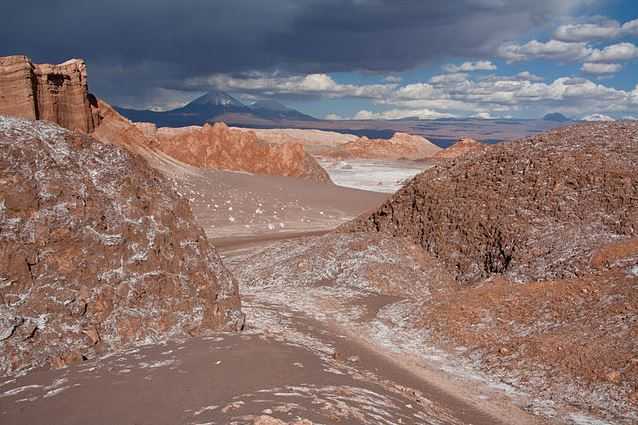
[328,338]
[314,349]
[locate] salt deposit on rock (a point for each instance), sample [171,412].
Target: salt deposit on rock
[97,251]
[532,209]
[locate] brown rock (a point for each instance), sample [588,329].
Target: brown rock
[217,146]
[615,252]
[532,209]
[56,93]
[100,252]
[400,146]
[613,377]
[209,146]
[461,147]
[269,420]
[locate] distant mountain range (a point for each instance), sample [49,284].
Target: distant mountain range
[556,117]
[218,106]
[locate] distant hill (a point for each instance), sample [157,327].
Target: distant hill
[278,111]
[216,106]
[556,117]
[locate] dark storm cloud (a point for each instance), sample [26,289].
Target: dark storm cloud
[132,45]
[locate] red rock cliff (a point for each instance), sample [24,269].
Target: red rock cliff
[56,93]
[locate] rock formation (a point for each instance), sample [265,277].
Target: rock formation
[115,129]
[400,146]
[217,146]
[461,147]
[97,251]
[534,209]
[56,93]
[315,142]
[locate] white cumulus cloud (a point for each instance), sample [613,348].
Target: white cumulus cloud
[592,31]
[395,114]
[598,117]
[601,68]
[311,84]
[587,32]
[614,53]
[552,49]
[470,67]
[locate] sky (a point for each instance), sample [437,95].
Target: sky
[344,59]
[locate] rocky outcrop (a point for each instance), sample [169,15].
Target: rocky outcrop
[97,251]
[217,146]
[316,142]
[534,209]
[115,129]
[400,146]
[461,147]
[56,93]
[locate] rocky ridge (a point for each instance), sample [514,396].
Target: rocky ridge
[56,93]
[461,147]
[534,209]
[400,146]
[217,146]
[97,251]
[211,146]
[315,142]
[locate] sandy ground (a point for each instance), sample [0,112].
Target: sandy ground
[242,206]
[373,290]
[284,365]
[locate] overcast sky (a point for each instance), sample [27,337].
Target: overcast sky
[346,58]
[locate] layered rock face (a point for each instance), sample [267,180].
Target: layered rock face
[400,146]
[97,251]
[535,209]
[461,147]
[219,147]
[56,93]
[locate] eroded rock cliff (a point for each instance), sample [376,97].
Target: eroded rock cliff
[217,146]
[97,251]
[56,93]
